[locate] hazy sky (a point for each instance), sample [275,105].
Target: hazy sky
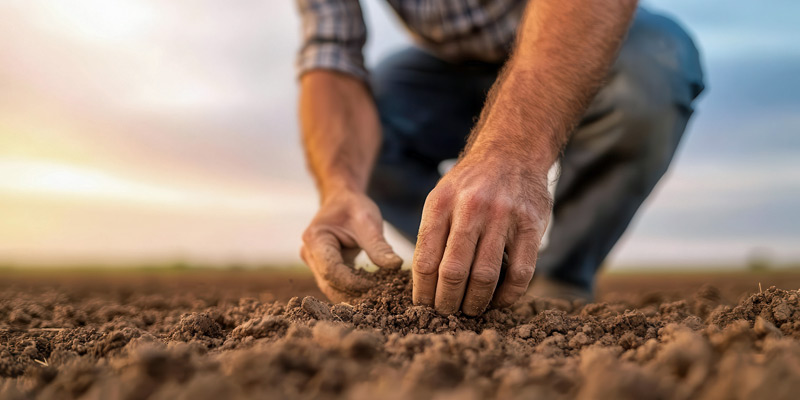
[138,130]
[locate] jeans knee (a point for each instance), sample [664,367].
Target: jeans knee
[656,135]
[649,125]
[661,58]
[651,89]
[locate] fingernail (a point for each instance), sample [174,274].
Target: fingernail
[445,310]
[473,311]
[423,302]
[393,258]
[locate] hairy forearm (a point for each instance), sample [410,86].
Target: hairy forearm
[340,130]
[561,57]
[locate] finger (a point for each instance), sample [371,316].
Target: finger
[456,263]
[371,239]
[485,271]
[433,231]
[336,296]
[325,253]
[521,265]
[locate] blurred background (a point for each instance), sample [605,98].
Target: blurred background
[144,132]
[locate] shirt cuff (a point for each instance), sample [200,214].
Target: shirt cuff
[331,56]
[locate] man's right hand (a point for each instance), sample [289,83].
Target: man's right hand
[342,136]
[346,223]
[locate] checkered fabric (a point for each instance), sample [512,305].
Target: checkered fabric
[334,32]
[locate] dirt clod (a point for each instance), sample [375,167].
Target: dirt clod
[316,308]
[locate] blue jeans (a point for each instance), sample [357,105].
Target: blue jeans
[620,150]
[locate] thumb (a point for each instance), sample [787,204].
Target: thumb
[378,250]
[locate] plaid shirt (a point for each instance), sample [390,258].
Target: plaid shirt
[334,32]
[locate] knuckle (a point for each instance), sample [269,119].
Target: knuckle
[503,205]
[363,217]
[520,275]
[426,268]
[444,190]
[453,274]
[310,233]
[437,200]
[484,277]
[473,201]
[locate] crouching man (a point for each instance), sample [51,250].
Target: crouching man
[508,87]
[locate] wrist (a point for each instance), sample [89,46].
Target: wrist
[508,153]
[518,122]
[337,188]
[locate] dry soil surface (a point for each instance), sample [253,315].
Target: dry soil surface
[259,335]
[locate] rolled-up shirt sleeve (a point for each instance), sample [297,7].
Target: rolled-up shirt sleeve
[333,37]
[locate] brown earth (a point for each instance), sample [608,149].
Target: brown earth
[244,335]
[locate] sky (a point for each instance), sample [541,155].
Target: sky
[140,131]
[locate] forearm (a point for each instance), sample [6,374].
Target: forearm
[561,57]
[340,130]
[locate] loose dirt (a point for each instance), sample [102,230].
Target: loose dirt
[207,337]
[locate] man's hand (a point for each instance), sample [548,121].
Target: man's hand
[341,135]
[346,223]
[496,197]
[486,204]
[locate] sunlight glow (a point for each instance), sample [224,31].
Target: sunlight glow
[47,179]
[99,20]
[51,178]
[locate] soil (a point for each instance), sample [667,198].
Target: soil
[237,336]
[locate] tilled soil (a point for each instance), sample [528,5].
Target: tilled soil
[64,340]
